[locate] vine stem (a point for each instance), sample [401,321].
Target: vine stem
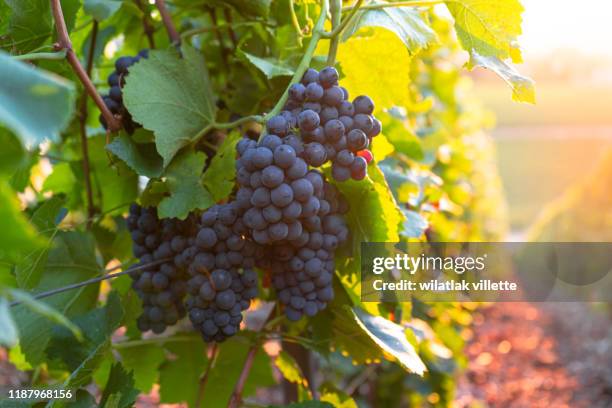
[204,378]
[167,19]
[236,397]
[228,125]
[83,127]
[65,44]
[59,55]
[336,15]
[94,280]
[413,3]
[317,34]
[295,22]
[338,28]
[227,13]
[201,30]
[146,24]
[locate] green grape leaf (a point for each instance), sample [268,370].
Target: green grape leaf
[12,154]
[82,358]
[228,366]
[405,22]
[523,88]
[140,157]
[337,398]
[116,183]
[17,232]
[119,388]
[70,259]
[45,310]
[401,136]
[220,174]
[29,25]
[489,28]
[369,196]
[9,336]
[401,182]
[61,180]
[270,67]
[415,224]
[252,8]
[179,376]
[362,55]
[289,368]
[144,360]
[391,338]
[101,9]
[34,104]
[337,329]
[186,190]
[171,96]
[28,269]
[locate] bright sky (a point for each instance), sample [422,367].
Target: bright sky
[579,24]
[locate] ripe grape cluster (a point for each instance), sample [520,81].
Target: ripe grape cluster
[222,279]
[114,99]
[161,287]
[332,128]
[285,217]
[295,215]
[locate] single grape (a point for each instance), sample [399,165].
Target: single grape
[363,104]
[328,77]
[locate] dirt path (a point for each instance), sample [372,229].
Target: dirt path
[538,355]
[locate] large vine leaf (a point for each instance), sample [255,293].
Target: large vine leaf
[82,358]
[45,310]
[144,360]
[253,8]
[405,22]
[391,338]
[415,224]
[71,259]
[488,27]
[30,23]
[114,184]
[34,104]
[367,197]
[228,366]
[171,96]
[186,190]
[8,330]
[179,376]
[523,88]
[362,55]
[141,157]
[119,391]
[30,267]
[12,154]
[268,66]
[17,232]
[220,174]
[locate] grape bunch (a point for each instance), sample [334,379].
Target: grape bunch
[114,99]
[161,287]
[294,213]
[222,279]
[332,128]
[303,269]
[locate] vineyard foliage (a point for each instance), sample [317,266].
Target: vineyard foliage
[215,71]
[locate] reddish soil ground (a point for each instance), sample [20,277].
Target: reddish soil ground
[538,355]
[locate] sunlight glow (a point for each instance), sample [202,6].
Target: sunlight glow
[567,24]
